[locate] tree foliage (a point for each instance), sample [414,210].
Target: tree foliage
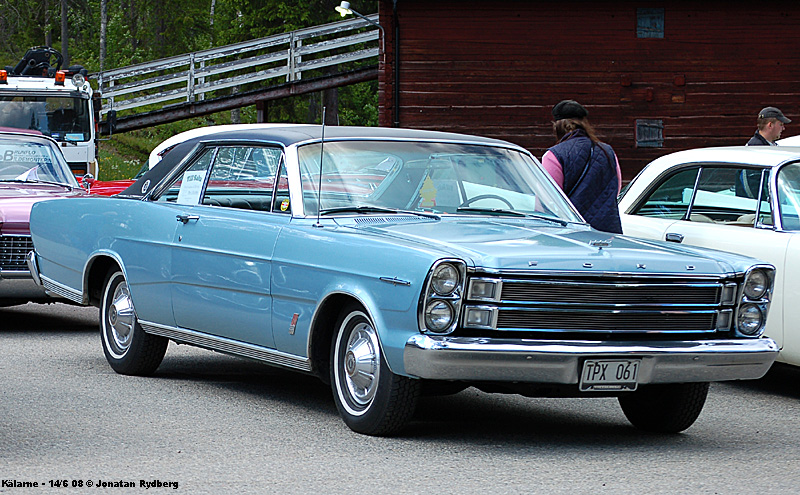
[143,30]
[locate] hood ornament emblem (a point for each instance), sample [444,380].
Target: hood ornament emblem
[601,243]
[641,265]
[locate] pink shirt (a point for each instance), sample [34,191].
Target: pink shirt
[553,167]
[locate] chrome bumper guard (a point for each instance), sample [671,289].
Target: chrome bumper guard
[33,267]
[560,361]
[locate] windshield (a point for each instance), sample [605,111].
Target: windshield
[24,159]
[440,178]
[63,118]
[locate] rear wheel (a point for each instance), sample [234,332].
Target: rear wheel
[128,349]
[668,408]
[370,398]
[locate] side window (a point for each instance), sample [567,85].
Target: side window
[186,188]
[671,199]
[242,177]
[731,196]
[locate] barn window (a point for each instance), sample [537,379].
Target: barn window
[649,133]
[649,23]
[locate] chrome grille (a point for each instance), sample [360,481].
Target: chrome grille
[596,321]
[611,293]
[611,304]
[13,249]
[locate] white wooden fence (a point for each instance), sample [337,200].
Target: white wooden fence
[284,57]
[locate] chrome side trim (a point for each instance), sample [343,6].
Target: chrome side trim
[560,361]
[62,290]
[228,346]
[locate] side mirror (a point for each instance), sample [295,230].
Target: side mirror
[86,181]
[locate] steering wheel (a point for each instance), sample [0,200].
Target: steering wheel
[486,196]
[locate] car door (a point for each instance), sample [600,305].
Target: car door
[727,208]
[223,246]
[666,204]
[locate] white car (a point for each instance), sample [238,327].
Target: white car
[743,199]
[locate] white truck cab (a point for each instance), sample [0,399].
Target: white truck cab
[36,95]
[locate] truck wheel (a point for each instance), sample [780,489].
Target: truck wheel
[370,398]
[665,408]
[128,349]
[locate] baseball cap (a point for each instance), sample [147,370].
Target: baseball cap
[570,109]
[773,113]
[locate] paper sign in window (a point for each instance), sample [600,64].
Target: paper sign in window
[191,187]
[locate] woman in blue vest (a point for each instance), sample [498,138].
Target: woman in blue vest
[585,168]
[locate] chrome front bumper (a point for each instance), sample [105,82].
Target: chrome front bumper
[560,361]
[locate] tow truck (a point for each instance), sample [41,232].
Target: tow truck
[37,96]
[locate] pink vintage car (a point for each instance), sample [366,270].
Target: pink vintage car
[32,169]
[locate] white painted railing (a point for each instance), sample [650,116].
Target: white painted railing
[283,58]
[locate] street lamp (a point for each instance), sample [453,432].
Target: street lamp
[344,9]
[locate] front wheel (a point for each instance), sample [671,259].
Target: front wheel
[370,398]
[665,408]
[128,349]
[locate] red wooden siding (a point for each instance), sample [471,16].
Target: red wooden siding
[497,68]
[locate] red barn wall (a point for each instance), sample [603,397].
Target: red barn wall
[497,68]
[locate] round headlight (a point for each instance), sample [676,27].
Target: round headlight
[750,319]
[438,316]
[756,284]
[78,80]
[445,279]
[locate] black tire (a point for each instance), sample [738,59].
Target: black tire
[668,408]
[371,399]
[128,349]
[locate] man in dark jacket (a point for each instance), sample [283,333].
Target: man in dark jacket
[771,123]
[585,168]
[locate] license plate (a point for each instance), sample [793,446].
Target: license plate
[602,375]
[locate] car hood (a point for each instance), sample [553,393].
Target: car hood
[109,187]
[16,202]
[511,244]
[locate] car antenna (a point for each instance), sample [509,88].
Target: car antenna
[319,190]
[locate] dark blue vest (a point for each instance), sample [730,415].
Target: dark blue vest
[590,179]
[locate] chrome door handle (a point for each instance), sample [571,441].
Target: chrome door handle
[186,218]
[674,237]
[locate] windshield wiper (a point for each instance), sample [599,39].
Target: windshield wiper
[512,213]
[37,181]
[491,211]
[376,209]
[357,209]
[563,223]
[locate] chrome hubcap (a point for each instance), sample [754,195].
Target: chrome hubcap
[361,363]
[121,317]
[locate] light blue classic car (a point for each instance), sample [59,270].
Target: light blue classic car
[395,262]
